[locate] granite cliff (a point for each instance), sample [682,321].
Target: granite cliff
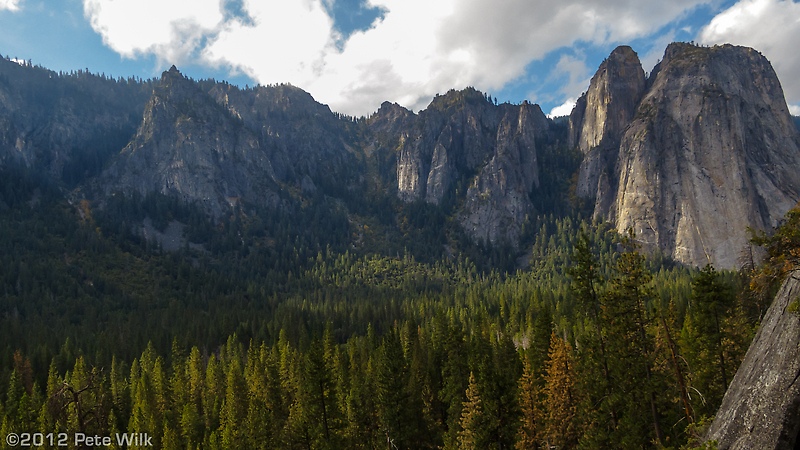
[600,118]
[191,147]
[220,146]
[464,149]
[710,150]
[762,405]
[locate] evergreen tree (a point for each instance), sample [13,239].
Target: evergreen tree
[631,352]
[472,433]
[234,407]
[529,435]
[707,339]
[392,400]
[560,427]
[600,410]
[362,431]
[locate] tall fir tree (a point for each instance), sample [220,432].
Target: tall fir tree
[473,430]
[631,350]
[529,434]
[561,402]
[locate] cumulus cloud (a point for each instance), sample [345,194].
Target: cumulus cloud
[171,30]
[770,26]
[11,5]
[281,41]
[414,50]
[564,109]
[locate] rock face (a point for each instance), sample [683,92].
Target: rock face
[189,146]
[710,151]
[761,409]
[464,146]
[306,142]
[600,118]
[66,126]
[220,146]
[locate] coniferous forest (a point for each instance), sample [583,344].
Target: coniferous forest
[266,336]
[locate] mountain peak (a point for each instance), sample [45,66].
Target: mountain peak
[624,53]
[171,75]
[710,152]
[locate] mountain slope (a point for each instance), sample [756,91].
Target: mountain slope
[65,125]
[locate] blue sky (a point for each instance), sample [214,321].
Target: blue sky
[354,54]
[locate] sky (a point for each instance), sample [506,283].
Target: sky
[355,54]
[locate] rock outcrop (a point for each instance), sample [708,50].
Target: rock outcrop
[307,143]
[464,146]
[221,146]
[191,147]
[710,151]
[600,118]
[761,409]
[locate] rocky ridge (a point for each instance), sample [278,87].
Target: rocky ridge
[464,146]
[189,146]
[688,157]
[219,146]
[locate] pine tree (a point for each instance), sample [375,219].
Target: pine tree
[234,407]
[392,400]
[14,404]
[530,427]
[631,352]
[48,417]
[362,431]
[472,435]
[600,410]
[455,376]
[507,369]
[322,406]
[120,393]
[213,394]
[191,423]
[560,428]
[708,338]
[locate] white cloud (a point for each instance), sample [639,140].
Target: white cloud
[285,41]
[172,30]
[11,5]
[416,49]
[564,109]
[567,79]
[575,71]
[770,26]
[794,109]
